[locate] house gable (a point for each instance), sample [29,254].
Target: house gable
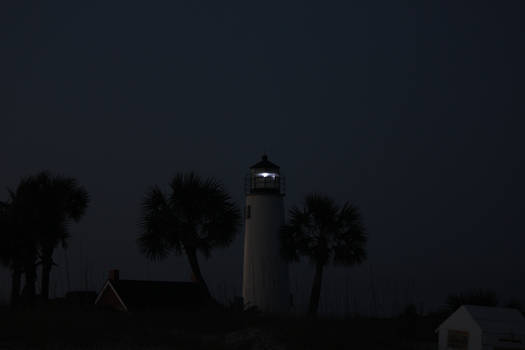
[461,320]
[109,297]
[459,331]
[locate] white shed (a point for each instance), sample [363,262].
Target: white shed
[483,328]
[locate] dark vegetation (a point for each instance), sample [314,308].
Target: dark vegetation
[57,327]
[481,297]
[34,220]
[324,232]
[472,297]
[195,216]
[70,326]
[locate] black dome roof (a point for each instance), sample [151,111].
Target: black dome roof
[264,164]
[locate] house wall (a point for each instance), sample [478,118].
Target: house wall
[460,321]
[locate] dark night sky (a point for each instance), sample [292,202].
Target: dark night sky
[412,110]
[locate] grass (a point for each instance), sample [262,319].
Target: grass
[89,328]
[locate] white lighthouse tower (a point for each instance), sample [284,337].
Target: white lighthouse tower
[265,272]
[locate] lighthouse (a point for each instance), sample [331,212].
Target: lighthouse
[265,272]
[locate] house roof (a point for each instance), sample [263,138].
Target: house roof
[497,319]
[139,294]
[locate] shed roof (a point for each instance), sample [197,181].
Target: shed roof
[497,319]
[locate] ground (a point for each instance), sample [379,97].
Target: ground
[91,328]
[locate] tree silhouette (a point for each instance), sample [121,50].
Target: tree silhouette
[478,297]
[197,215]
[18,231]
[60,201]
[324,233]
[10,251]
[33,222]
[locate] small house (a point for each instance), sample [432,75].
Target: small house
[482,328]
[126,295]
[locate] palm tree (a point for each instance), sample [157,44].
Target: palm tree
[197,215]
[60,201]
[10,250]
[33,222]
[19,238]
[324,233]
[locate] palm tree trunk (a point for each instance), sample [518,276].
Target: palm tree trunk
[316,289]
[195,269]
[16,280]
[29,292]
[47,265]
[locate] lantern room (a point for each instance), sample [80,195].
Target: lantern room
[265,177]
